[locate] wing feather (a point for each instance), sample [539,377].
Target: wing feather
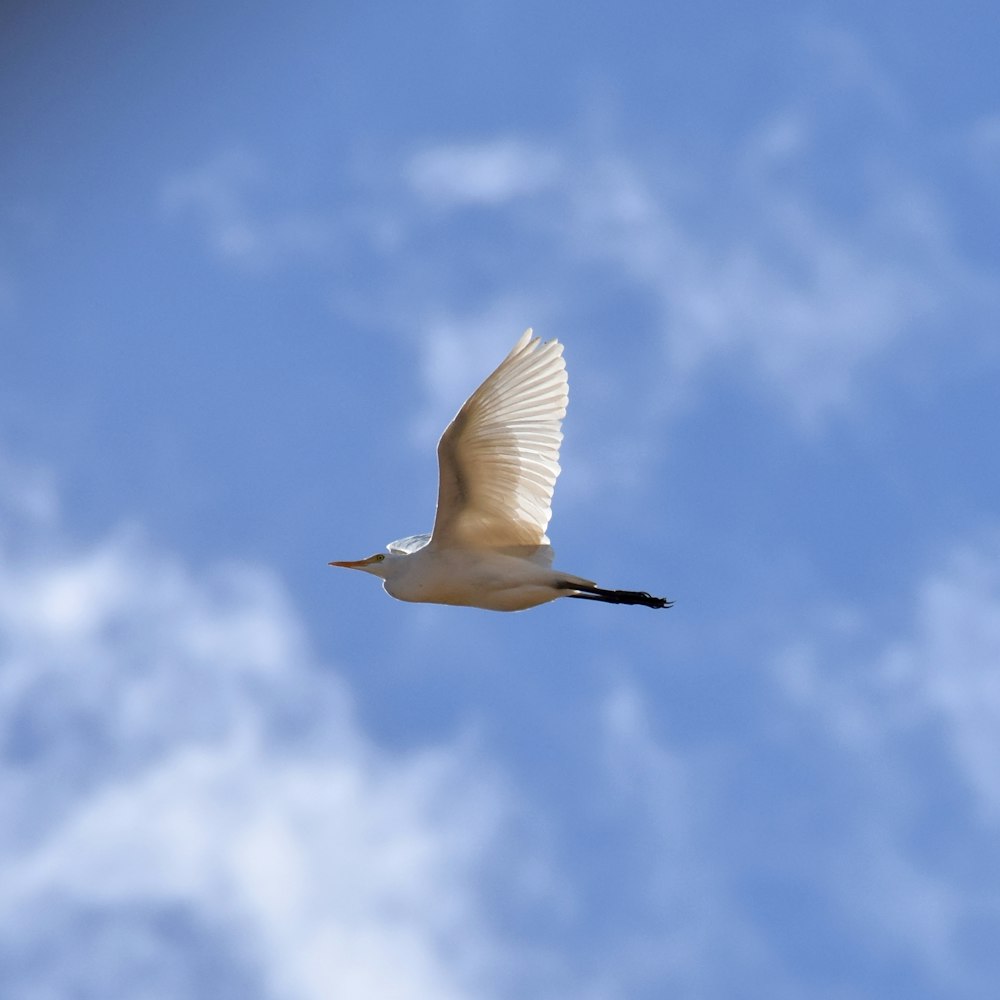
[409,544]
[498,459]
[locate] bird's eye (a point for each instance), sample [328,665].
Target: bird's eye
[380,557]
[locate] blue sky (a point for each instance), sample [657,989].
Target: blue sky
[252,261]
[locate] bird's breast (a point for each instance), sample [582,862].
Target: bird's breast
[471,578]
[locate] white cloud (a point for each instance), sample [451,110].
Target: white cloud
[949,668]
[983,144]
[222,196]
[693,914]
[27,491]
[781,295]
[780,289]
[846,63]
[723,888]
[927,699]
[347,876]
[772,289]
[945,671]
[170,743]
[481,173]
[765,266]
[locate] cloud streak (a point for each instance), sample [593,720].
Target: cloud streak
[916,716]
[222,198]
[173,749]
[488,173]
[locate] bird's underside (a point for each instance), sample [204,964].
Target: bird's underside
[518,596]
[512,578]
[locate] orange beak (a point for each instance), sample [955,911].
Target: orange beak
[353,564]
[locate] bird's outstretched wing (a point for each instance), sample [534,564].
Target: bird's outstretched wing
[499,458]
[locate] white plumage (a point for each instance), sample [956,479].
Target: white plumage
[499,458]
[498,461]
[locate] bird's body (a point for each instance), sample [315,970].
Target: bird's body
[498,461]
[491,579]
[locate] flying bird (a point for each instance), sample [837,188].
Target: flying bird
[498,461]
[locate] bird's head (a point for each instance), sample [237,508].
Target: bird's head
[377,564]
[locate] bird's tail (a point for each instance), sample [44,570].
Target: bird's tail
[592,593]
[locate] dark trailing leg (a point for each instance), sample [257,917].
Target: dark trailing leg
[616,596]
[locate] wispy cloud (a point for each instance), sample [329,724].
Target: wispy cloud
[693,913]
[27,490]
[913,714]
[723,896]
[769,288]
[490,172]
[172,747]
[983,144]
[222,197]
[779,288]
[942,672]
[948,670]
[808,293]
[845,62]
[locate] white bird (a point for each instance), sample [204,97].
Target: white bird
[498,461]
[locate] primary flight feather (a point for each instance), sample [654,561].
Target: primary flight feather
[498,461]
